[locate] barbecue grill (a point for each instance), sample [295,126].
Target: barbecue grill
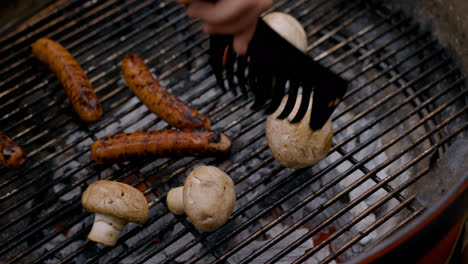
[405,111]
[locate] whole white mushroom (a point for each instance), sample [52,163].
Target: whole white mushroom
[208,198]
[114,204]
[295,145]
[288,27]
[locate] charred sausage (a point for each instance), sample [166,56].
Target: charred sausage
[72,77]
[11,154]
[164,104]
[160,143]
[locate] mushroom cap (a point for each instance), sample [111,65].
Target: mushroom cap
[289,28]
[296,145]
[209,198]
[116,199]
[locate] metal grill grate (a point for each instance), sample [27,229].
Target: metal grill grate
[406,102]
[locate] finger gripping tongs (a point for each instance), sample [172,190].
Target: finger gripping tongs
[270,64]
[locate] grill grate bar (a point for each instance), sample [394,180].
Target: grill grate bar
[101,51]
[428,86]
[88,59]
[75,202]
[373,39]
[310,198]
[394,78]
[28,232]
[362,234]
[331,201]
[38,100]
[55,250]
[337,29]
[444,76]
[350,39]
[380,48]
[423,155]
[402,223]
[37,208]
[239,195]
[55,17]
[98,128]
[91,21]
[199,237]
[392,95]
[120,88]
[44,188]
[145,242]
[25,55]
[395,108]
[253,202]
[339,15]
[141,7]
[79,183]
[376,179]
[78,155]
[236,213]
[178,172]
[400,61]
[124,237]
[259,136]
[388,55]
[103,99]
[53,214]
[193,162]
[380,221]
[44,240]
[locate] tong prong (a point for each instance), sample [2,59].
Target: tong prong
[218,44]
[256,86]
[230,61]
[264,82]
[279,85]
[240,73]
[292,95]
[304,105]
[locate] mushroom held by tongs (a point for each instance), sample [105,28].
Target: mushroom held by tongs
[115,204]
[207,197]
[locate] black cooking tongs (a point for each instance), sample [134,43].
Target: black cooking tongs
[270,62]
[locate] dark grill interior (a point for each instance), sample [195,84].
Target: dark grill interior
[407,102]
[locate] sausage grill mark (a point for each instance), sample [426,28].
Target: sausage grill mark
[164,143]
[160,101]
[72,77]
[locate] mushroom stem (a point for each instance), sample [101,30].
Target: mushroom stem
[175,200]
[106,229]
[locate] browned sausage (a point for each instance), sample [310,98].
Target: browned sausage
[11,154]
[164,104]
[72,77]
[160,143]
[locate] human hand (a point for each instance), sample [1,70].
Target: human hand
[230,17]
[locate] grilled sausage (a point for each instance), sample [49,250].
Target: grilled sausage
[164,104]
[72,77]
[11,154]
[160,143]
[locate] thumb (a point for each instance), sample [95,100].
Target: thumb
[241,40]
